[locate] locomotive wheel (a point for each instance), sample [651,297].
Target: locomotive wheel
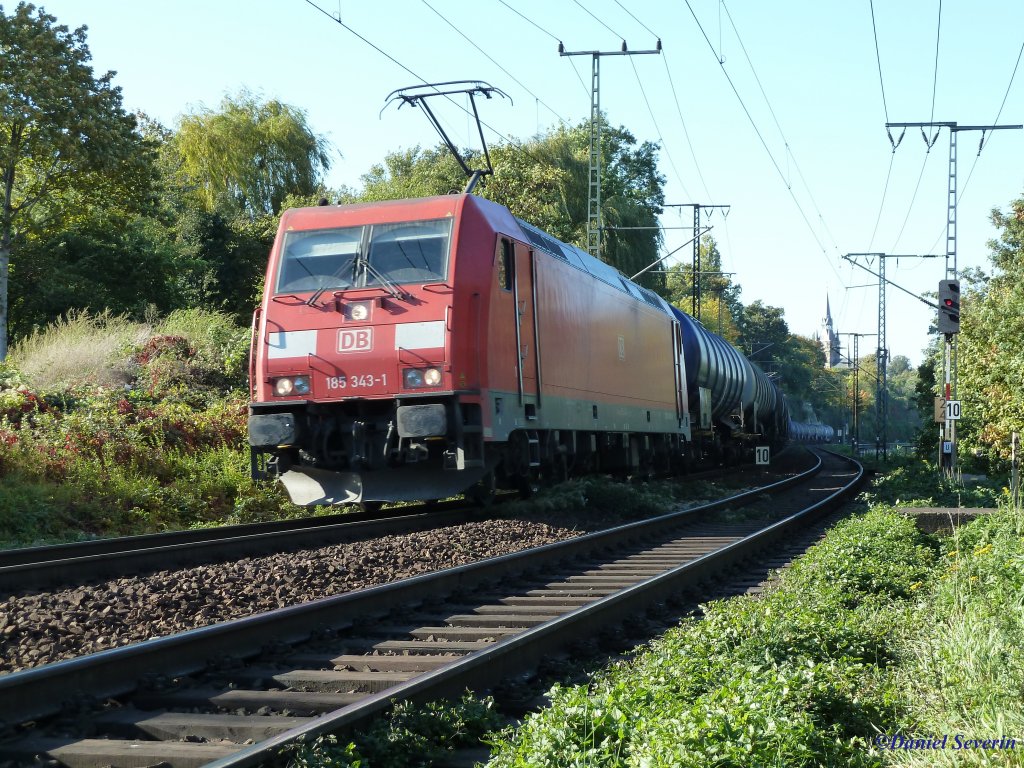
[558,469]
[527,486]
[483,492]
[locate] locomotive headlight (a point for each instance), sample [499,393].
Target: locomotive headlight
[414,378]
[291,385]
[358,311]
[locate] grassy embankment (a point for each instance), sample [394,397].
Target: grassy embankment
[109,427]
[879,630]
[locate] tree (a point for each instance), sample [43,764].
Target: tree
[414,172]
[248,156]
[720,307]
[221,261]
[990,357]
[63,131]
[762,328]
[904,420]
[126,266]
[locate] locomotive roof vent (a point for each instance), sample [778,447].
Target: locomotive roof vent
[542,241]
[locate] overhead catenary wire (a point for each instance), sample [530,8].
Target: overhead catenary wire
[490,58]
[633,16]
[931,143]
[778,126]
[935,76]
[682,121]
[377,48]
[881,205]
[657,130]
[679,112]
[984,141]
[764,144]
[913,199]
[885,110]
[1005,95]
[554,37]
[878,58]
[391,58]
[598,19]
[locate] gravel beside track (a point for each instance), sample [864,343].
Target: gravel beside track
[42,627]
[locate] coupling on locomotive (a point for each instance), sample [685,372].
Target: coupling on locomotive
[417,349]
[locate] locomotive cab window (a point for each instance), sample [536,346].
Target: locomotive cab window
[505,265]
[355,257]
[411,252]
[318,259]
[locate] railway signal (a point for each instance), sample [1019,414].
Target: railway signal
[949,306]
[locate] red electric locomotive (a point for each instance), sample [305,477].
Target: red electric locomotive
[416,349]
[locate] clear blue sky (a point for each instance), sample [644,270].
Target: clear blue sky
[814,194]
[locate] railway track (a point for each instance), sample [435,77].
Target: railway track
[330,664]
[32,568]
[81,562]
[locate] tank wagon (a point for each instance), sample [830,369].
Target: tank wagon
[417,349]
[810,433]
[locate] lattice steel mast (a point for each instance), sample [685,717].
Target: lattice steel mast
[882,355]
[594,197]
[950,361]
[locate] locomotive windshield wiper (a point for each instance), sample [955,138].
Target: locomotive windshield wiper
[387,284]
[362,265]
[328,280]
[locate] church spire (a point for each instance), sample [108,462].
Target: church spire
[833,353]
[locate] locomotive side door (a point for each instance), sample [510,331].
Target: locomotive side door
[524,289]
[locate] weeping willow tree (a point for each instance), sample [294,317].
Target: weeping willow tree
[249,155]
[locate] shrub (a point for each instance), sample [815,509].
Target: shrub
[78,350]
[164,449]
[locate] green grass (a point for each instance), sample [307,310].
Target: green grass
[963,665]
[113,428]
[796,678]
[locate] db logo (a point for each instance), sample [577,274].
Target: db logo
[355,340]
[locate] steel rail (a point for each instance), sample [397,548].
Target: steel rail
[80,562]
[39,692]
[91,675]
[529,648]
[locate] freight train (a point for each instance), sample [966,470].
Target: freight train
[417,349]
